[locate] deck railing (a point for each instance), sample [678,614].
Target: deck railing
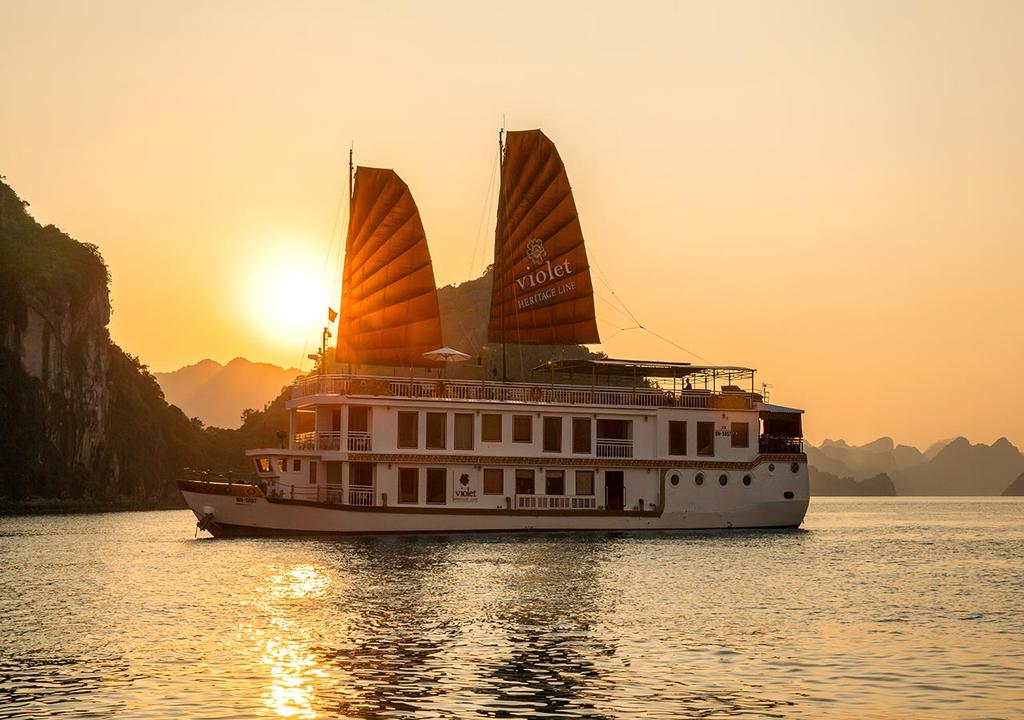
[483,391]
[364,497]
[359,441]
[613,448]
[332,494]
[331,440]
[555,502]
[780,444]
[328,440]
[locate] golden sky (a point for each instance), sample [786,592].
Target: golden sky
[830,192]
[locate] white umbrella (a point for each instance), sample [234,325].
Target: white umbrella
[446,355]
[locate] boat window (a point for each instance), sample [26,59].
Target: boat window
[436,490]
[746,479]
[436,439]
[408,429]
[494,481]
[408,485]
[524,482]
[522,428]
[554,482]
[282,464]
[262,464]
[490,427]
[312,472]
[705,438]
[584,482]
[581,435]
[463,431]
[723,479]
[360,473]
[552,434]
[608,429]
[296,464]
[676,437]
[740,435]
[359,418]
[699,479]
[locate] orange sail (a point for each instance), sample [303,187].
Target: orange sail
[389,313]
[542,291]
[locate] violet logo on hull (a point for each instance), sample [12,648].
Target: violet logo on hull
[465,490]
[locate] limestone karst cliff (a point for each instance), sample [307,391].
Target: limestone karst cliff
[81,420]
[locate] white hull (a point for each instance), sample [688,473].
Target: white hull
[684,509]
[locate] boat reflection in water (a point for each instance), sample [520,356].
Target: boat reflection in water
[499,626]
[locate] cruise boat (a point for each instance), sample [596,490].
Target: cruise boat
[381,440]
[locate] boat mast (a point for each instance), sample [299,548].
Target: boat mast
[500,249]
[351,176]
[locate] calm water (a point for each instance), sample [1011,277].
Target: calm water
[878,608]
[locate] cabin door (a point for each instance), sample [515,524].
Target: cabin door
[614,490]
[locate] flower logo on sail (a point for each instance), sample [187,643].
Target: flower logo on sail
[535,250]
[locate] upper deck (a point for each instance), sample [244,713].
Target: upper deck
[613,383]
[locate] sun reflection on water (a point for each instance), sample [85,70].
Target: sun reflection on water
[286,647]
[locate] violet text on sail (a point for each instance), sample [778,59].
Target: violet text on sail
[542,276]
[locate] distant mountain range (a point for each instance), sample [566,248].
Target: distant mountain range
[218,394]
[949,467]
[1016,487]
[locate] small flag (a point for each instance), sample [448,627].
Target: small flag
[331,315]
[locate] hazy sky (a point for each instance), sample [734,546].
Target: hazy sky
[830,192]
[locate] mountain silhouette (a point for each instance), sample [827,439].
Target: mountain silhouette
[948,467]
[218,394]
[880,456]
[1016,488]
[961,468]
[824,483]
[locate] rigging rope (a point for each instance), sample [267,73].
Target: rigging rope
[629,313]
[483,216]
[336,275]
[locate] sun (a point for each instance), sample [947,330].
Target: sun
[287,300]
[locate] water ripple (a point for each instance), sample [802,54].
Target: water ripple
[905,608]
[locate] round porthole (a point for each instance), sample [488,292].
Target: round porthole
[746,479]
[771,467]
[674,479]
[723,479]
[699,479]
[795,467]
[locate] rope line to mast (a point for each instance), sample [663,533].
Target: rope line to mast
[629,313]
[336,275]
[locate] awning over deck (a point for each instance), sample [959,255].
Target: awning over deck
[612,367]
